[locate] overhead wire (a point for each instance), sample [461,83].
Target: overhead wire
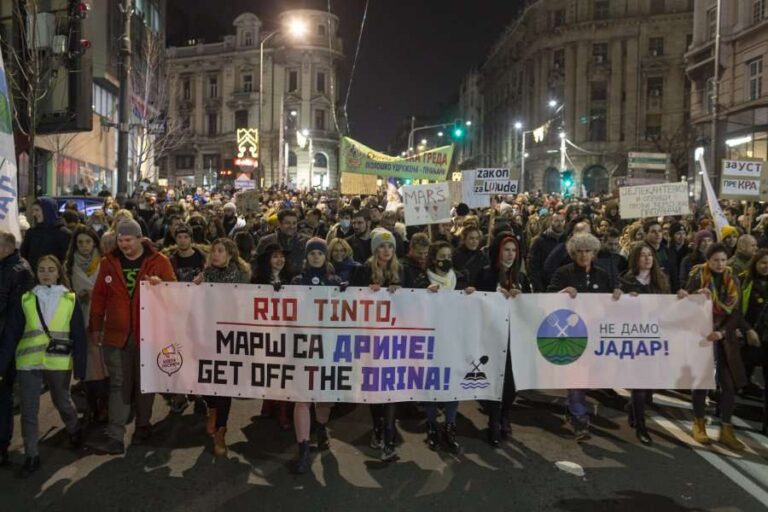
[333,74]
[354,65]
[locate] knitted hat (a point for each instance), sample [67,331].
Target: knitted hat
[381,236]
[230,206]
[676,227]
[701,235]
[727,231]
[129,227]
[316,244]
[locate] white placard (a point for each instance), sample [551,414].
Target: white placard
[654,200]
[427,204]
[593,341]
[739,188]
[743,168]
[478,185]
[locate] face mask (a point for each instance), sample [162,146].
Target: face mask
[97,227]
[444,265]
[345,224]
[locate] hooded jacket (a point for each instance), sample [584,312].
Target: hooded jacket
[113,309]
[48,237]
[488,280]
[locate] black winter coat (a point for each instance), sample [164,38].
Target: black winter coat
[596,280]
[16,277]
[541,247]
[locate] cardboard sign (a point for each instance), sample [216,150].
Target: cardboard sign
[478,185]
[358,184]
[654,200]
[427,204]
[741,180]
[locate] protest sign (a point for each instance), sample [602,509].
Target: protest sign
[320,344]
[427,204]
[654,200]
[430,165]
[593,341]
[9,204]
[358,184]
[247,201]
[243,182]
[741,180]
[478,185]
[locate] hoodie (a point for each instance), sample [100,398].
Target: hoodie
[513,277]
[48,237]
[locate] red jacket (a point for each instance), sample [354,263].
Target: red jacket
[112,308]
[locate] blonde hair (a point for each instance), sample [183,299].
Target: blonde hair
[231,248]
[63,279]
[387,274]
[119,215]
[343,243]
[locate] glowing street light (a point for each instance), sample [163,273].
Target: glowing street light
[297,28]
[552,103]
[423,142]
[468,123]
[439,134]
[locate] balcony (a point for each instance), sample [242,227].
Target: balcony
[242,99]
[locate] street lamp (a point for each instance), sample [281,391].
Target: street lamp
[518,126]
[423,142]
[468,123]
[552,103]
[439,134]
[297,29]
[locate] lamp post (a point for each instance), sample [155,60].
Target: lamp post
[297,29]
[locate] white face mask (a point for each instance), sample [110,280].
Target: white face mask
[345,224]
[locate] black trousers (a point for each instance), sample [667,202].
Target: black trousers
[222,404]
[499,411]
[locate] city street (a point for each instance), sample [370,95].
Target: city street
[177,471]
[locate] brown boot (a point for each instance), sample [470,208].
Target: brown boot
[700,431]
[729,439]
[210,425]
[219,442]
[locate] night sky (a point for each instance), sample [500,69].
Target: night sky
[413,57]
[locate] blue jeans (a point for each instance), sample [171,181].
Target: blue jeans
[577,405]
[451,408]
[6,408]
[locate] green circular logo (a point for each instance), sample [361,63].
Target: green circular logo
[562,337]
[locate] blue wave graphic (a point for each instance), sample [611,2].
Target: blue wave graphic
[474,385]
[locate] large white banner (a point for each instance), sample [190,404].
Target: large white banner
[9,204]
[592,341]
[321,344]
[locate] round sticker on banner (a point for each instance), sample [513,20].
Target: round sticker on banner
[594,286]
[108,279]
[315,280]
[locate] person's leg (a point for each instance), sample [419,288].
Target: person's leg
[430,409]
[577,405]
[119,403]
[58,385]
[637,403]
[223,406]
[143,402]
[389,424]
[301,421]
[451,410]
[509,392]
[449,429]
[322,412]
[6,414]
[30,384]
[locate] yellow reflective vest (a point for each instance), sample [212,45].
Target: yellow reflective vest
[31,351]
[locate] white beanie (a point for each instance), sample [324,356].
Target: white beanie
[381,236]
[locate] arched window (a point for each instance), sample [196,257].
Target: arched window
[321,161]
[551,181]
[293,161]
[247,39]
[596,180]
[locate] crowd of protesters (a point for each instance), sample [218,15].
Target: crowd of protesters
[69,295]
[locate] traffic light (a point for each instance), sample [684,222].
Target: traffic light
[458,129]
[566,181]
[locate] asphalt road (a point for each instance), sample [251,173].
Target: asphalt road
[177,471]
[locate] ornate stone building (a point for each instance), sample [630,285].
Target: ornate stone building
[614,71]
[217,91]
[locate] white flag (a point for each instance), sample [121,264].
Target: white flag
[9,204]
[714,205]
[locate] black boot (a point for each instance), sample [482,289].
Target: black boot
[433,440]
[323,439]
[377,435]
[304,462]
[31,465]
[494,434]
[449,438]
[642,433]
[630,415]
[4,457]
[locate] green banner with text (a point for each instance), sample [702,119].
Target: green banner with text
[430,165]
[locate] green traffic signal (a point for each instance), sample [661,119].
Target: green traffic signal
[458,133]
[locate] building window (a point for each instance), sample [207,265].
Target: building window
[600,53]
[558,59]
[211,162]
[186,89]
[212,124]
[652,126]
[558,18]
[293,161]
[241,119]
[711,23]
[758,11]
[321,30]
[186,122]
[185,161]
[319,119]
[599,91]
[657,7]
[656,46]
[320,81]
[247,83]
[754,78]
[293,81]
[248,39]
[601,9]
[597,125]
[655,87]
[709,97]
[321,161]
[213,87]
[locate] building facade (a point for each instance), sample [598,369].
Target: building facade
[742,99]
[609,75]
[217,91]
